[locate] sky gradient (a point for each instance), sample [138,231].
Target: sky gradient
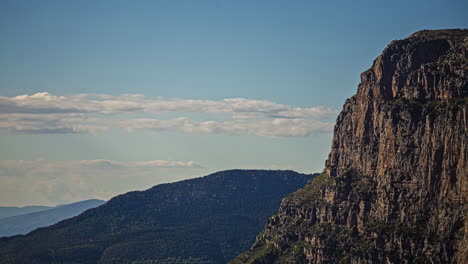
[102,97]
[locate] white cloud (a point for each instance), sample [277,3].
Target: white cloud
[278,127]
[83,113]
[51,123]
[136,103]
[92,164]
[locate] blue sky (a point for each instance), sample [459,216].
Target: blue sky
[286,60]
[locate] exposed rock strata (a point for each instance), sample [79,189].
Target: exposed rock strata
[395,186]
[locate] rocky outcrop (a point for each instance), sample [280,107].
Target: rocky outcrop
[395,186]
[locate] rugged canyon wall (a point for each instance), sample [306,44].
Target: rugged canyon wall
[395,185]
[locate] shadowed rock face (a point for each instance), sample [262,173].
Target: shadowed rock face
[395,185]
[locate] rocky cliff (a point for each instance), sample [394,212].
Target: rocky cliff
[395,185]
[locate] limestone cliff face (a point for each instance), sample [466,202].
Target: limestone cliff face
[395,186]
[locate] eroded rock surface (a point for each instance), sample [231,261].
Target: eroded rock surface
[395,186]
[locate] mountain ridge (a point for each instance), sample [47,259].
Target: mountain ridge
[205,220]
[7,211]
[24,223]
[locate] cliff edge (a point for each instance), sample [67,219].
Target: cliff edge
[395,185]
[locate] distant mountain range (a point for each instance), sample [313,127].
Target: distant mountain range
[7,211]
[207,220]
[40,216]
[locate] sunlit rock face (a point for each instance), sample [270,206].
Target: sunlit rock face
[395,185]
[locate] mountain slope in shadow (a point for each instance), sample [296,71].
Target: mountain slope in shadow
[206,220]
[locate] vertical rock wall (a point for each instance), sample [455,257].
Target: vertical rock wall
[395,186]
